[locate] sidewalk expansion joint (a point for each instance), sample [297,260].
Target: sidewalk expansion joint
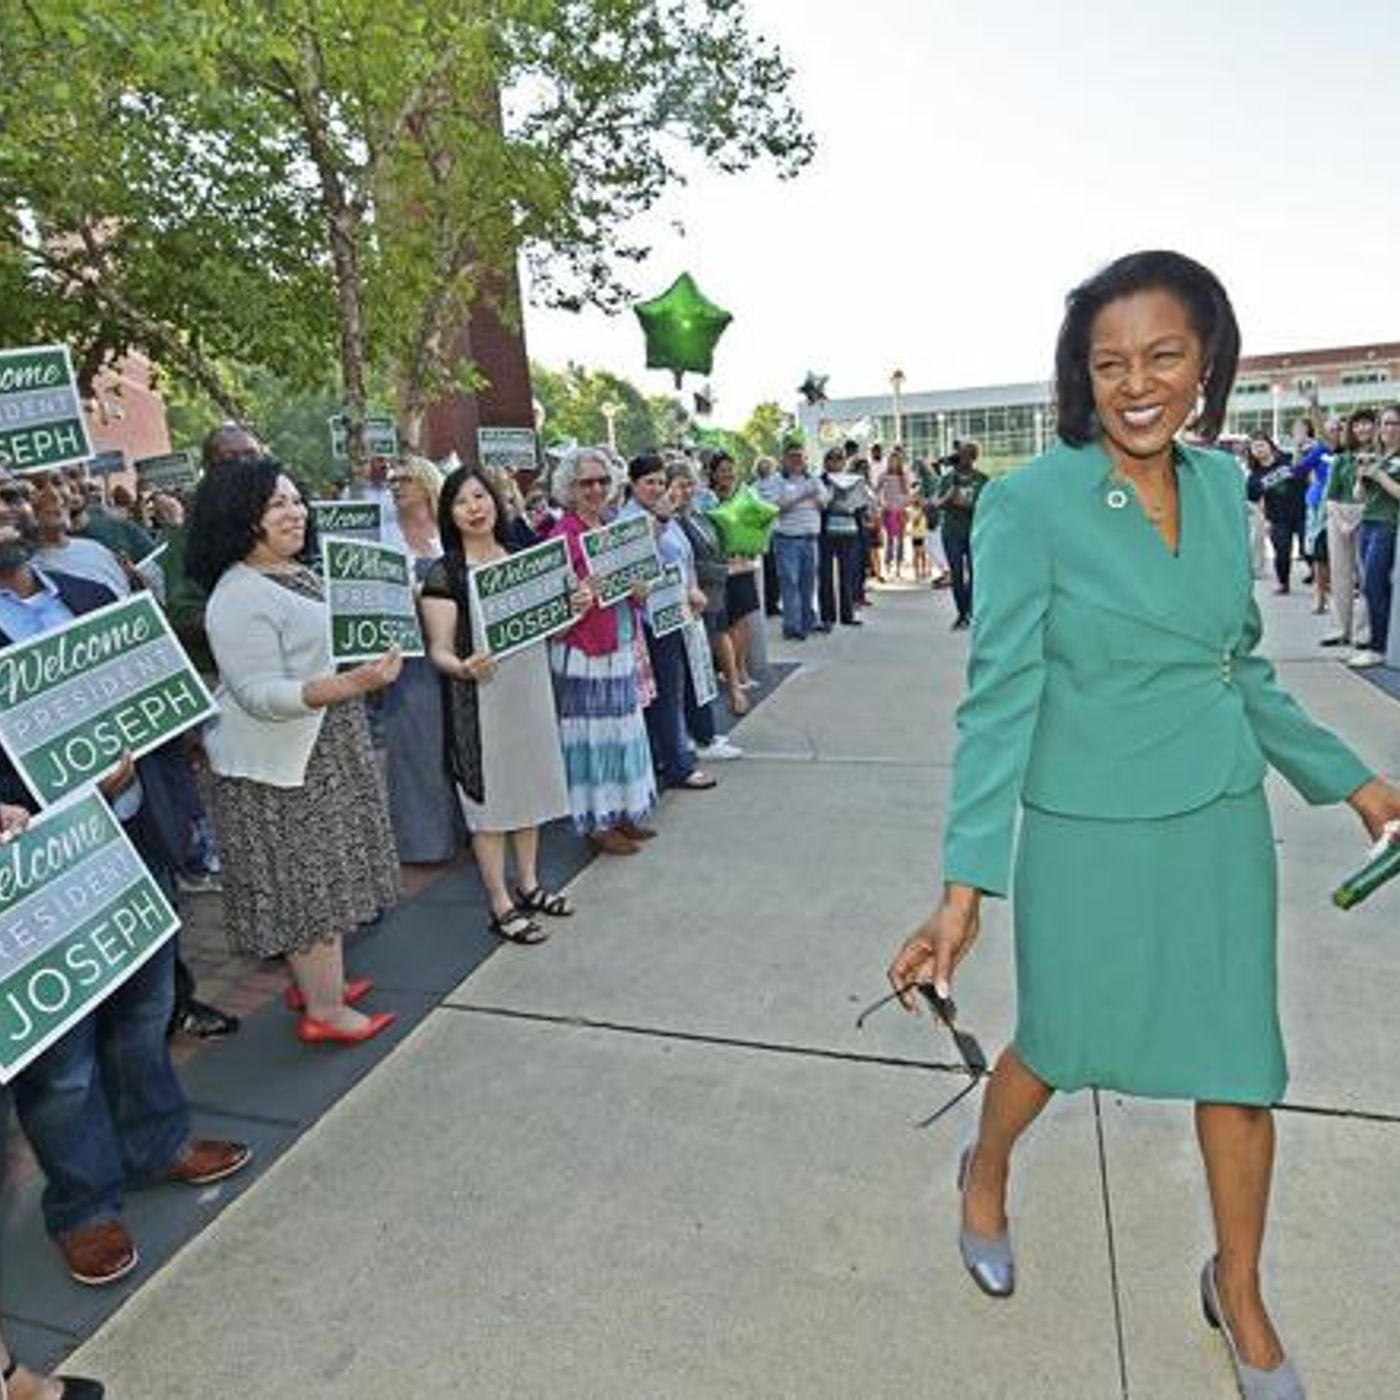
[1361,1115]
[768,1047]
[1106,1197]
[822,759]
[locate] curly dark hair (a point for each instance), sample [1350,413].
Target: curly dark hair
[224,521]
[1207,308]
[451,488]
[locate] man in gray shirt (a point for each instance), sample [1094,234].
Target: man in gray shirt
[800,498]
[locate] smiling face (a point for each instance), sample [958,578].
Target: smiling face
[17,524]
[682,493]
[650,491]
[282,529]
[1260,451]
[1145,366]
[1390,431]
[474,512]
[722,481]
[50,503]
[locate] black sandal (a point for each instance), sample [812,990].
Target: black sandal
[516,926]
[541,901]
[74,1387]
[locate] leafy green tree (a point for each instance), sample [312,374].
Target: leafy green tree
[764,429]
[341,181]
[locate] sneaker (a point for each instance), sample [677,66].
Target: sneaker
[720,749]
[203,1022]
[201,882]
[749,683]
[1337,641]
[1361,660]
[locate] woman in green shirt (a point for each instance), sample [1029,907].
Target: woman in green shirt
[1116,696]
[1378,486]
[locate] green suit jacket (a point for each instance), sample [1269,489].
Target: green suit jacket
[1109,677]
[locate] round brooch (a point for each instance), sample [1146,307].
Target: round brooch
[1117,499]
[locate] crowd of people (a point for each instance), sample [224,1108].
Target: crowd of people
[1330,502]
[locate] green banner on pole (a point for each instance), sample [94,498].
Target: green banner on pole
[74,700]
[79,913]
[370,591]
[620,555]
[41,419]
[522,599]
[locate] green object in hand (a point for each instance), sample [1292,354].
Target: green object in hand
[1366,881]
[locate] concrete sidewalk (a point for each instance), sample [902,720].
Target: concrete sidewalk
[655,1158]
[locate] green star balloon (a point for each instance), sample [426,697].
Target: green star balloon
[682,327]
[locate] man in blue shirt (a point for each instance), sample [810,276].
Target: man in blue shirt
[88,1142]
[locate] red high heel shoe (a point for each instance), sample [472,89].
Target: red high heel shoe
[294,999]
[314,1032]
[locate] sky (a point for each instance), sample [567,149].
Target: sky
[977,159]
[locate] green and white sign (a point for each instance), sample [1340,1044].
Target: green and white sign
[522,599]
[348,520]
[512,449]
[701,661]
[41,419]
[370,591]
[74,700]
[620,555]
[172,472]
[667,608]
[381,436]
[79,913]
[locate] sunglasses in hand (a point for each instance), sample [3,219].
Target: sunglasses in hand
[944,1010]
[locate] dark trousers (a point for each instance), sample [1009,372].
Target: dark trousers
[1281,536]
[1377,561]
[665,716]
[957,547]
[771,591]
[102,1106]
[840,570]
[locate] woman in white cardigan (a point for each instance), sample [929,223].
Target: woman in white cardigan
[303,825]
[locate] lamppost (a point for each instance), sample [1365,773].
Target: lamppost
[897,385]
[1039,431]
[610,412]
[1276,390]
[942,434]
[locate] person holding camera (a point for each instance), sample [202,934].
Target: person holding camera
[956,501]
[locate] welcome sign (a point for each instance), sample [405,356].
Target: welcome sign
[79,914]
[41,420]
[370,592]
[354,520]
[701,661]
[666,603]
[522,599]
[620,555]
[112,681]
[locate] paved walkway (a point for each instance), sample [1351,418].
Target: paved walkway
[654,1158]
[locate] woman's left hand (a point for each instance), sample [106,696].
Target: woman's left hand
[13,820]
[697,601]
[581,599]
[1376,803]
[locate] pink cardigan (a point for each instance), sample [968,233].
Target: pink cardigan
[596,632]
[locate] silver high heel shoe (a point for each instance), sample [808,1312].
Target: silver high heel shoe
[987,1258]
[1282,1383]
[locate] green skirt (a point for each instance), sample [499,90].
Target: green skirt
[1146,953]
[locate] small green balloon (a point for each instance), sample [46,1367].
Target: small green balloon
[682,327]
[745,522]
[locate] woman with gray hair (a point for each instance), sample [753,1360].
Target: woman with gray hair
[607,759]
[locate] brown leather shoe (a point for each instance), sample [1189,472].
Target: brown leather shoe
[633,832]
[613,843]
[99,1254]
[206,1160]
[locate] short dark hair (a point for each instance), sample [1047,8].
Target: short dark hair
[1207,308]
[228,509]
[646,463]
[450,535]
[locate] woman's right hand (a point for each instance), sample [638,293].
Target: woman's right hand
[374,675]
[932,952]
[479,666]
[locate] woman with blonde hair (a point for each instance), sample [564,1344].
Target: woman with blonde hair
[423,806]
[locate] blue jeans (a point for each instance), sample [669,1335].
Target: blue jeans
[1377,561]
[797,581]
[102,1106]
[665,716]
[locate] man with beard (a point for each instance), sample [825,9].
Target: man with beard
[100,1106]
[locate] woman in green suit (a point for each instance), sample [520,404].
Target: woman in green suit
[1115,695]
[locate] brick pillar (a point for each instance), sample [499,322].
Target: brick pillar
[505,401]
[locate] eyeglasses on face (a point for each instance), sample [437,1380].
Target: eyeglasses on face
[586,483]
